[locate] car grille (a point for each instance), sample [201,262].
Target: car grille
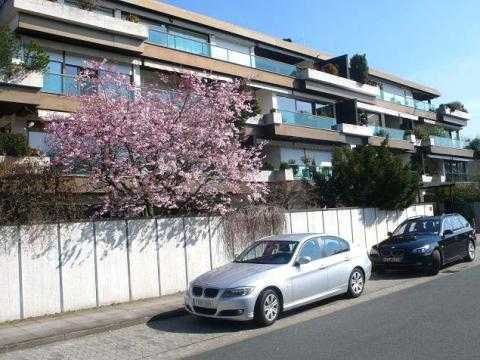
[206,292]
[205,311]
[197,291]
[391,252]
[210,292]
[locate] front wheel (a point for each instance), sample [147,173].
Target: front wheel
[356,283]
[470,251]
[436,263]
[267,308]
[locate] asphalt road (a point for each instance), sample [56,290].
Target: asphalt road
[400,316]
[439,319]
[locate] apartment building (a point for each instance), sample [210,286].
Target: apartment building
[306,111]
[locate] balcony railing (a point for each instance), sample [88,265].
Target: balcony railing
[407,101]
[307,120]
[448,142]
[396,134]
[204,48]
[303,172]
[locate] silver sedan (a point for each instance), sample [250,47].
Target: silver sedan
[279,273]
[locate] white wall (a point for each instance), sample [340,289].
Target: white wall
[47,269]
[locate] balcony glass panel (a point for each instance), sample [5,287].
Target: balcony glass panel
[307,120]
[407,101]
[450,143]
[303,172]
[396,134]
[182,43]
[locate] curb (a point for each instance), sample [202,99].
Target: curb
[169,314]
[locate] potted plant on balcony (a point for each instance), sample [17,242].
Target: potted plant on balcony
[88,5]
[359,68]
[330,69]
[133,18]
[455,105]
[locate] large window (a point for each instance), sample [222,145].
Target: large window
[180,39]
[62,70]
[455,171]
[319,108]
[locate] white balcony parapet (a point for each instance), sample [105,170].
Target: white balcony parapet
[74,15]
[275,175]
[30,80]
[352,129]
[341,82]
[274,117]
[445,110]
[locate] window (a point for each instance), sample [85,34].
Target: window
[418,226]
[447,224]
[268,252]
[463,221]
[334,245]
[286,104]
[455,223]
[324,109]
[455,170]
[311,249]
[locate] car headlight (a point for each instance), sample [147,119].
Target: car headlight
[240,291]
[422,250]
[374,251]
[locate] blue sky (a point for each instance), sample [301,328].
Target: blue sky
[435,42]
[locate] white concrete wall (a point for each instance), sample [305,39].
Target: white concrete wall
[47,269]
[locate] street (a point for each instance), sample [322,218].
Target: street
[400,316]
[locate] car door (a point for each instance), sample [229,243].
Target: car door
[337,261]
[448,241]
[309,280]
[464,235]
[461,237]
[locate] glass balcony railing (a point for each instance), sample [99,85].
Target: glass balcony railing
[203,48]
[450,143]
[303,172]
[407,101]
[396,134]
[307,120]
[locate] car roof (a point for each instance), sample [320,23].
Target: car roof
[292,237]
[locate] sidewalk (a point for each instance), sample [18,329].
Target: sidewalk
[31,332]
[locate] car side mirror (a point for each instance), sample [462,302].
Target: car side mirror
[303,260]
[389,234]
[447,232]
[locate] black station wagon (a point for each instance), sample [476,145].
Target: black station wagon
[427,242]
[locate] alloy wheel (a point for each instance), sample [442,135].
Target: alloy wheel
[471,250]
[271,307]
[357,282]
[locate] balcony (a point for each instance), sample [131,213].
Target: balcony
[407,101]
[349,88]
[395,134]
[74,15]
[177,42]
[445,146]
[307,120]
[448,142]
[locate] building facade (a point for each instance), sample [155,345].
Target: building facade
[306,109]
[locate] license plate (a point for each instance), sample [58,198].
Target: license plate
[392,259]
[209,304]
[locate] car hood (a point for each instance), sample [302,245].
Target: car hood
[409,241]
[234,274]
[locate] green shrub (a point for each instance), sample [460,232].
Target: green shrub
[455,105]
[359,68]
[13,145]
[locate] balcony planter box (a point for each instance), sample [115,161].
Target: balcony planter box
[352,129]
[338,81]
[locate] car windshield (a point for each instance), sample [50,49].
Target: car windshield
[268,252]
[418,226]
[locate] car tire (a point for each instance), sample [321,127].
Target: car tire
[470,251]
[436,263]
[267,307]
[356,283]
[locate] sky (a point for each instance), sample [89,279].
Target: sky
[434,42]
